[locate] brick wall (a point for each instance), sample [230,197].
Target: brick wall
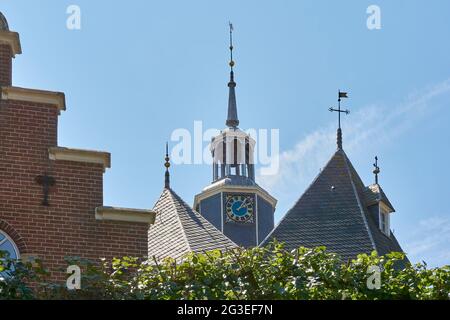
[68,227]
[5,65]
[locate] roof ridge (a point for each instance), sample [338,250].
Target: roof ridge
[204,221]
[347,161]
[172,194]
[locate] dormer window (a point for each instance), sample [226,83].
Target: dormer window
[380,207]
[384,214]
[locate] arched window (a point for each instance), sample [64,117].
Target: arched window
[6,244]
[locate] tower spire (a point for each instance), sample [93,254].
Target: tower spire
[232,118]
[167,165]
[376,171]
[339,111]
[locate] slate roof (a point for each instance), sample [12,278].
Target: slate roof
[178,230]
[333,213]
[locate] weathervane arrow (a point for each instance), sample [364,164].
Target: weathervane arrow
[343,94]
[338,110]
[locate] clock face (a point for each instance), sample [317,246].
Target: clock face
[239,208]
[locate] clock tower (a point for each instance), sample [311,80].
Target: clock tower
[234,203]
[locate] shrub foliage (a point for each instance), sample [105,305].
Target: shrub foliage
[241,274]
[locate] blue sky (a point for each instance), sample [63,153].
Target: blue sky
[138,69]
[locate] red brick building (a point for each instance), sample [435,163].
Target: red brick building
[51,198]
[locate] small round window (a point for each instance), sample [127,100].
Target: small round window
[8,246]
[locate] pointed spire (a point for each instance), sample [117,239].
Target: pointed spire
[377,170]
[339,111]
[167,165]
[232,119]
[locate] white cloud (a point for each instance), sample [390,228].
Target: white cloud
[372,125]
[370,128]
[431,238]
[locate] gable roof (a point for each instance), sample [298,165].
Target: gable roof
[178,230]
[333,213]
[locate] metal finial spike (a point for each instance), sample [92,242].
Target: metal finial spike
[167,165]
[232,118]
[339,139]
[339,111]
[231,46]
[377,170]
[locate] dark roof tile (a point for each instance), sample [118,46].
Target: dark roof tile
[178,230]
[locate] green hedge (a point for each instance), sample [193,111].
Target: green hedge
[242,274]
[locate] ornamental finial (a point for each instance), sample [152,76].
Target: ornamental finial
[167,165]
[3,23]
[231,46]
[339,111]
[232,118]
[377,170]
